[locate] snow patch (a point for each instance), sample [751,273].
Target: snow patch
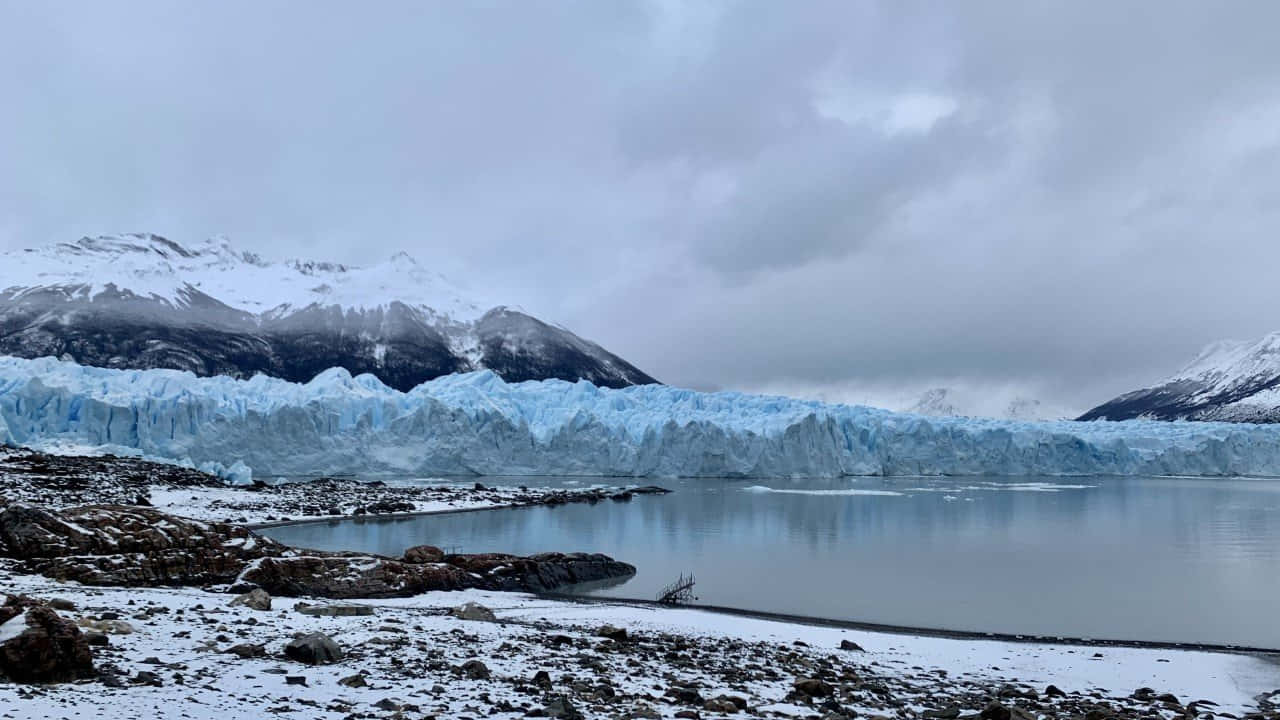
[13,628]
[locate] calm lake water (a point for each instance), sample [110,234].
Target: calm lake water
[1156,559]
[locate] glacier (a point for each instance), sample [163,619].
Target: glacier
[477,424]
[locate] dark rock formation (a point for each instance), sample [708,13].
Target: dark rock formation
[423,554]
[135,546]
[63,481]
[314,649]
[46,649]
[542,572]
[119,545]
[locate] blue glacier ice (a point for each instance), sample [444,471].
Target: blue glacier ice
[476,423]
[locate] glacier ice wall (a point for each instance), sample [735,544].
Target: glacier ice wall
[476,423]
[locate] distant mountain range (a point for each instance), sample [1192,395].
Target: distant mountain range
[143,301]
[948,402]
[1229,381]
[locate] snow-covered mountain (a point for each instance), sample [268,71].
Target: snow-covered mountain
[143,301]
[949,402]
[1231,381]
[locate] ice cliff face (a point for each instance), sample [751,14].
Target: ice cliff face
[476,423]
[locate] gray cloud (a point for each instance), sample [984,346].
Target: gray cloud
[1055,196]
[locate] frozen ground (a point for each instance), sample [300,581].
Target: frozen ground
[412,655]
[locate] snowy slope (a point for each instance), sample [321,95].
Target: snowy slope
[150,266]
[477,423]
[1228,381]
[143,301]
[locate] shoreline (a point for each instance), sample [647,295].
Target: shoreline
[205,651]
[922,632]
[801,619]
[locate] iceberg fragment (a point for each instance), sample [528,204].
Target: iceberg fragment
[475,423]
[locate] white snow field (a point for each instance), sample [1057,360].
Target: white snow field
[476,423]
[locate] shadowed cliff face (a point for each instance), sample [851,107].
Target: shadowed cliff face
[399,344]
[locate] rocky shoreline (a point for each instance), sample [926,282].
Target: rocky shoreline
[135,611]
[59,481]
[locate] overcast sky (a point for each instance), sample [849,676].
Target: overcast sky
[837,198]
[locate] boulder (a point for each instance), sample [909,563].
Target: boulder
[110,627]
[475,670]
[255,599]
[616,634]
[347,577]
[333,610]
[995,711]
[354,681]
[473,611]
[812,687]
[560,707]
[39,646]
[720,705]
[244,651]
[424,554]
[313,649]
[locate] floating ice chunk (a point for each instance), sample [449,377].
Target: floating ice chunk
[802,491]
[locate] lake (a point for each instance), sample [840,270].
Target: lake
[1154,559]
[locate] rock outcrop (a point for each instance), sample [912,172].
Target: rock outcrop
[127,545]
[136,546]
[39,646]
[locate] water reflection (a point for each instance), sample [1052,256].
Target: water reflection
[1183,560]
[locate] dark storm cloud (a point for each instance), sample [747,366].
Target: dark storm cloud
[1065,197]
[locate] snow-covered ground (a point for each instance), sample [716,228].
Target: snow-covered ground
[409,652]
[475,423]
[254,507]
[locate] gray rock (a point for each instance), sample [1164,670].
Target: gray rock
[419,554]
[613,633]
[247,650]
[255,599]
[473,611]
[995,711]
[314,649]
[475,670]
[42,647]
[560,707]
[354,681]
[333,610]
[720,705]
[110,627]
[812,687]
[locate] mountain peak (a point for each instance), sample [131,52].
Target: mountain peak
[152,266]
[1232,380]
[141,300]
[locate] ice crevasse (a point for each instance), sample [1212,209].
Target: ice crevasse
[475,423]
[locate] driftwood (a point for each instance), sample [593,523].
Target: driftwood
[678,592]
